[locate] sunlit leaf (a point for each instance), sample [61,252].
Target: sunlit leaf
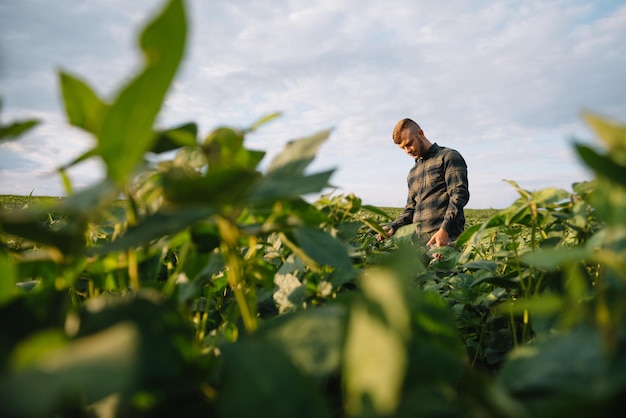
[9,276]
[297,155]
[83,107]
[126,133]
[525,194]
[611,132]
[549,196]
[603,165]
[262,121]
[375,349]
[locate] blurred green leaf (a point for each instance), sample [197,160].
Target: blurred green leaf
[552,258]
[166,222]
[67,236]
[66,374]
[215,188]
[323,248]
[257,378]
[224,149]
[273,187]
[83,157]
[375,353]
[612,133]
[296,156]
[16,129]
[174,138]
[35,348]
[564,375]
[603,165]
[543,304]
[548,196]
[262,121]
[9,276]
[83,107]
[90,200]
[126,133]
[487,265]
[313,338]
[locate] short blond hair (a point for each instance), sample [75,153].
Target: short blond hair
[405,123]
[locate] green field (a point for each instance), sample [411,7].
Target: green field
[10,201]
[472,216]
[201,286]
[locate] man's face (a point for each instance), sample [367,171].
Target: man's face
[411,143]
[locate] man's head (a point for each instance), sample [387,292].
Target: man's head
[404,124]
[410,137]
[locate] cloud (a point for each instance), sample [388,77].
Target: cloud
[502,82]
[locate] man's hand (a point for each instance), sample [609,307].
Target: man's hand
[389,230]
[439,239]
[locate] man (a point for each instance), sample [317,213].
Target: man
[438,188]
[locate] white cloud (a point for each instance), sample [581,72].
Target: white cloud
[502,82]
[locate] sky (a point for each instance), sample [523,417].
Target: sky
[503,82]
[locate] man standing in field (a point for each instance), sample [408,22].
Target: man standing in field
[438,188]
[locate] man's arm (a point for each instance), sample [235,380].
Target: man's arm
[458,190]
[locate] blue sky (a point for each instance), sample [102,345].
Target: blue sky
[503,82]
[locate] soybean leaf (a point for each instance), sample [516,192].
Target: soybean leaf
[163,223]
[297,155]
[83,157]
[9,276]
[487,265]
[67,373]
[274,387]
[224,149]
[323,248]
[170,139]
[375,351]
[551,258]
[273,187]
[612,133]
[83,107]
[68,236]
[16,129]
[543,304]
[548,196]
[126,132]
[560,369]
[215,188]
[265,119]
[313,338]
[603,165]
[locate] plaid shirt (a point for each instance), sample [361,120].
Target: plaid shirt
[438,191]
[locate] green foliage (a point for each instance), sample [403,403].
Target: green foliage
[15,129]
[200,285]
